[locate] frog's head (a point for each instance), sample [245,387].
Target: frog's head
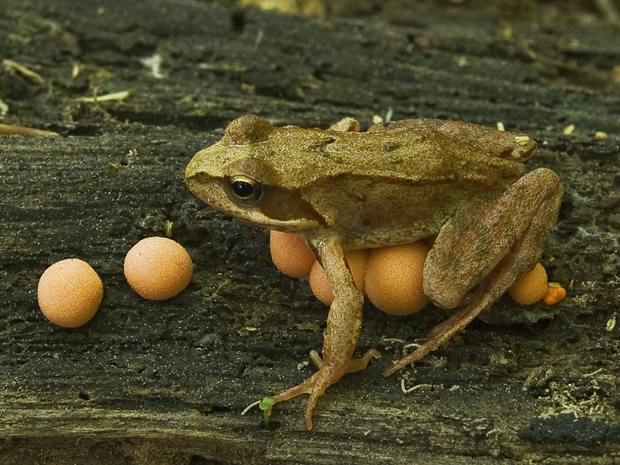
[237,176]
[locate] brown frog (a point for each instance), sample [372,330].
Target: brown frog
[342,189]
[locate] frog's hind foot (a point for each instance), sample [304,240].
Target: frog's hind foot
[315,386]
[499,281]
[438,335]
[327,375]
[353,365]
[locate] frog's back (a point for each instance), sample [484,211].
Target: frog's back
[400,185]
[419,154]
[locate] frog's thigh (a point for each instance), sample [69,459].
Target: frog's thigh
[474,241]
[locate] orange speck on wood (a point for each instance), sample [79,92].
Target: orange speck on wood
[555,293]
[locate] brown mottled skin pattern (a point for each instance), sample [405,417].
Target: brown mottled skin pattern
[341,189]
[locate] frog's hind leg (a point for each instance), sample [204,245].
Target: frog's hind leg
[443,332]
[507,234]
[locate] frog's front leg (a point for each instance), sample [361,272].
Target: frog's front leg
[489,241]
[343,329]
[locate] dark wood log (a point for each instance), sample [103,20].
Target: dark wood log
[165,382]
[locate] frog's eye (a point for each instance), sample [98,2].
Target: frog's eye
[245,189]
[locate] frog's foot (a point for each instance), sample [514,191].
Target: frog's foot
[494,285]
[353,365]
[440,334]
[328,374]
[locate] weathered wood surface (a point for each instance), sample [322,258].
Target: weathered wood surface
[165,382]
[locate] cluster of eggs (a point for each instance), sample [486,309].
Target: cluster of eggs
[70,291]
[391,277]
[158,268]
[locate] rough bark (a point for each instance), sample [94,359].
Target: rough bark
[165,382]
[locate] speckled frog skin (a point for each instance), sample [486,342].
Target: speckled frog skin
[342,189]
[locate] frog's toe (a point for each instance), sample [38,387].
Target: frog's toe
[328,375]
[359,364]
[302,388]
[440,334]
[318,383]
[316,358]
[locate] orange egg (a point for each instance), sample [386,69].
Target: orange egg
[69,293]
[394,278]
[320,284]
[290,254]
[530,287]
[158,268]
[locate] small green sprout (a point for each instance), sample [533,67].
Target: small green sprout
[265,406]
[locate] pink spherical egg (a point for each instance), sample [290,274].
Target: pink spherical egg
[158,268]
[69,293]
